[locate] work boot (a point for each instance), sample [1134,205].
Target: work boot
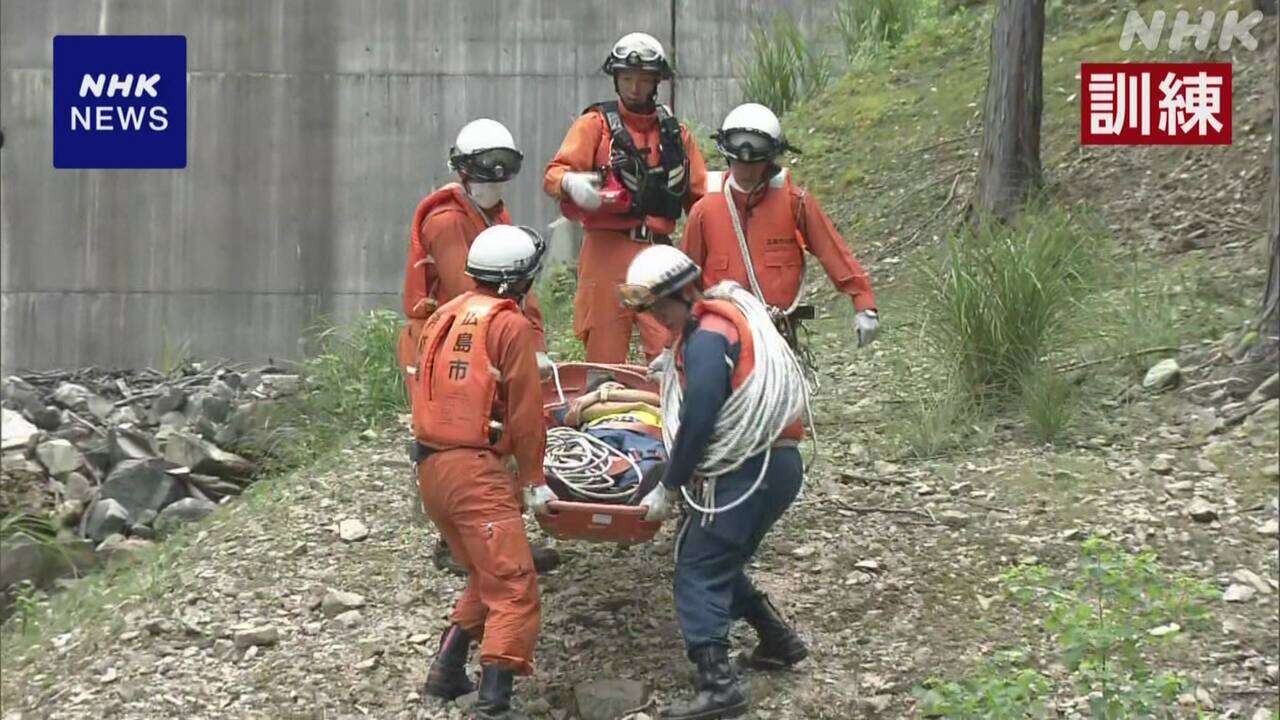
[443,559]
[545,559]
[719,694]
[447,676]
[494,700]
[780,647]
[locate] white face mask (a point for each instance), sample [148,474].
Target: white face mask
[486,195]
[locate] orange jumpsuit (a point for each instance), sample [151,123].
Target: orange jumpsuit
[444,225]
[780,224]
[476,503]
[600,320]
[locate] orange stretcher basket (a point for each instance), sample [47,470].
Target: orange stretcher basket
[593,522]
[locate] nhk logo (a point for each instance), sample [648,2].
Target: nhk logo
[119,101]
[101,117]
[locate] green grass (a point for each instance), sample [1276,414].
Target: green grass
[352,383]
[1100,616]
[1048,402]
[555,289]
[867,26]
[783,67]
[1001,299]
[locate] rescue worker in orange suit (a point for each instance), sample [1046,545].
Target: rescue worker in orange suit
[714,353]
[756,206]
[627,169]
[477,400]
[445,223]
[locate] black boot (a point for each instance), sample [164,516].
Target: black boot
[494,702]
[780,647]
[545,559]
[443,559]
[719,694]
[447,676]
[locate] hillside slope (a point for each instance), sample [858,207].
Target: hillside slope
[888,563]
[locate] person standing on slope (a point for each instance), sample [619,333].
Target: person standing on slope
[445,224]
[627,169]
[754,226]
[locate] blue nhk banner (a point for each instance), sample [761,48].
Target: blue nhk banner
[119,101]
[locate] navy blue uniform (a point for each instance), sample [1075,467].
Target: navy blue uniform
[710,583]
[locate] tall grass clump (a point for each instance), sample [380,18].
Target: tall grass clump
[866,26]
[1004,298]
[352,382]
[783,68]
[354,377]
[1048,403]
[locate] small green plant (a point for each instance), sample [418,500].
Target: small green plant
[555,289]
[1001,689]
[1106,620]
[1002,297]
[1109,620]
[934,425]
[28,527]
[1048,403]
[783,68]
[25,601]
[173,356]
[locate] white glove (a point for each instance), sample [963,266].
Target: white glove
[661,503]
[537,498]
[583,189]
[545,365]
[659,365]
[866,326]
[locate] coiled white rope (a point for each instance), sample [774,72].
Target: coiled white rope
[777,314]
[581,461]
[773,396]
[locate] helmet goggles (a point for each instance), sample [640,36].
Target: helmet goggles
[748,145]
[641,297]
[498,164]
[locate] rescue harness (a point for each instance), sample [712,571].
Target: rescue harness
[657,191]
[787,320]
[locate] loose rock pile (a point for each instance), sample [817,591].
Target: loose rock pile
[116,458]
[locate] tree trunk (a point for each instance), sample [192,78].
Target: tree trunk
[1009,166]
[1269,329]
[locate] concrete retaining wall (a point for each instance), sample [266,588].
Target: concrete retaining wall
[314,126]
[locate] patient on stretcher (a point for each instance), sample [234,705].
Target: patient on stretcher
[622,453]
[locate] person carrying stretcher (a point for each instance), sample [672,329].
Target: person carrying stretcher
[445,224]
[477,401]
[754,227]
[732,396]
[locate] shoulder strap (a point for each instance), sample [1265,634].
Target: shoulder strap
[671,140]
[617,131]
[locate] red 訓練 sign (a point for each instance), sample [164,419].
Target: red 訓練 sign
[1155,104]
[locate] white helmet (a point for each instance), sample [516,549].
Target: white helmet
[505,255]
[485,151]
[637,51]
[751,133]
[657,271]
